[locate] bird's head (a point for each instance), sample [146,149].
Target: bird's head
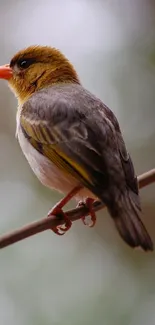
[37,67]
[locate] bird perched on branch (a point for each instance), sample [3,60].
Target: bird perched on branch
[72,141]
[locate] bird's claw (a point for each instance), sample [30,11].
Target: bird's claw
[58,212]
[89,204]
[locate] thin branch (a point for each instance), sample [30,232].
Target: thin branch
[75,214]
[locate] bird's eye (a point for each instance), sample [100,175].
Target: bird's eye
[25,63]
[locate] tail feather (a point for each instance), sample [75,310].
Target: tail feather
[126,215]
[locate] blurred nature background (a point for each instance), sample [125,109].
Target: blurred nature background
[89,276]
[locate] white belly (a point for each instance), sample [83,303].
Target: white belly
[48,174]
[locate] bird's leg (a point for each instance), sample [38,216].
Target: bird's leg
[88,203]
[57,211]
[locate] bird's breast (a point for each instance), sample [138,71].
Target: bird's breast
[47,172]
[44,169]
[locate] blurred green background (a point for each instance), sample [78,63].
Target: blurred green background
[89,276]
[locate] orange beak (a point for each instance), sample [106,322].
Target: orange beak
[5,72]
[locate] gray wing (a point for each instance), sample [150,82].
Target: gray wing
[79,126]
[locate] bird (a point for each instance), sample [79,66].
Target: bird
[73,141]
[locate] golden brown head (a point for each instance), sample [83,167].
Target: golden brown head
[37,67]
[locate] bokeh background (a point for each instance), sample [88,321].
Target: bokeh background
[89,276]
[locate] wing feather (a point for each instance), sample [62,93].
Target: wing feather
[85,144]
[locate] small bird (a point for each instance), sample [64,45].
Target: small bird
[73,141]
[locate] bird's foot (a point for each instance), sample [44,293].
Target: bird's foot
[58,212]
[88,203]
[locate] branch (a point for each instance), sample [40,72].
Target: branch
[74,214]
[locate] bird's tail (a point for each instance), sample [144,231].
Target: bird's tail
[126,215]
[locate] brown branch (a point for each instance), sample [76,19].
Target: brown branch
[75,214]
